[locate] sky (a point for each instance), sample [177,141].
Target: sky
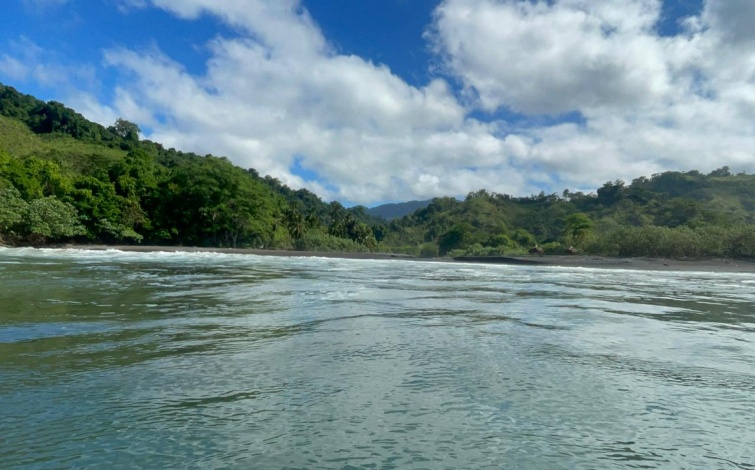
[373,101]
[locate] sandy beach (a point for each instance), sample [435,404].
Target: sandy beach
[659,264]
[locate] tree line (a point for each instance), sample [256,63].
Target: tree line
[672,214]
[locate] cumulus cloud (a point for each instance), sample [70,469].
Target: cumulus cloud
[554,58]
[269,98]
[275,96]
[732,19]
[649,102]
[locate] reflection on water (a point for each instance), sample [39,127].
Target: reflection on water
[221,361]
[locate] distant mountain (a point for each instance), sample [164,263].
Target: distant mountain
[396,210]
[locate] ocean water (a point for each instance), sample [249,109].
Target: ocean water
[196,360]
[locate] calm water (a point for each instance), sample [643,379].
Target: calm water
[125,360]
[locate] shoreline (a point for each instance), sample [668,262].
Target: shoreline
[644,264]
[575,261]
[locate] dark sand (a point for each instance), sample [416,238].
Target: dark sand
[656,264]
[577,261]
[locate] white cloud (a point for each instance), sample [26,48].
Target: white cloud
[650,103]
[13,68]
[274,92]
[27,61]
[553,59]
[89,106]
[268,97]
[732,19]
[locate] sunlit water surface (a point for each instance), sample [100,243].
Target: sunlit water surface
[126,360]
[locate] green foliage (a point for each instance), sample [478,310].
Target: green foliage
[99,206]
[524,238]
[319,241]
[552,248]
[345,224]
[17,139]
[208,201]
[125,130]
[453,239]
[13,209]
[38,178]
[49,219]
[611,193]
[679,242]
[577,227]
[151,193]
[38,221]
[690,202]
[428,250]
[117,232]
[501,240]
[294,223]
[49,118]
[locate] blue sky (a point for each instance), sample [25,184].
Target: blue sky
[387,100]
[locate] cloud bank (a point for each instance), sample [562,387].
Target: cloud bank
[526,96]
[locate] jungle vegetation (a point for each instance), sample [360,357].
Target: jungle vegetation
[66,179]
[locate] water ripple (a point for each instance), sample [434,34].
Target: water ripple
[218,361]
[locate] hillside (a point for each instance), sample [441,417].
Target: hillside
[671,214]
[64,178]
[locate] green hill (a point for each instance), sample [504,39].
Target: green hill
[670,214]
[64,178]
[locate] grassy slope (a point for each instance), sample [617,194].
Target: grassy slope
[17,139]
[73,155]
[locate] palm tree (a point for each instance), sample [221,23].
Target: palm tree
[294,223]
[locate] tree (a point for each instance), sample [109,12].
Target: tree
[577,227]
[524,238]
[48,219]
[12,210]
[208,201]
[453,239]
[294,223]
[125,130]
[34,177]
[312,221]
[723,171]
[611,193]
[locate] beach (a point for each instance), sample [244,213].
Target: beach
[576,261]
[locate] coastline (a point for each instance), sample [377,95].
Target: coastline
[575,261]
[645,264]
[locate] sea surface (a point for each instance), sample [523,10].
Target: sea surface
[212,361]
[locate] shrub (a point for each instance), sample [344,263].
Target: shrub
[318,241]
[428,250]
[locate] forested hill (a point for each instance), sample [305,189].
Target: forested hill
[66,179]
[670,214]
